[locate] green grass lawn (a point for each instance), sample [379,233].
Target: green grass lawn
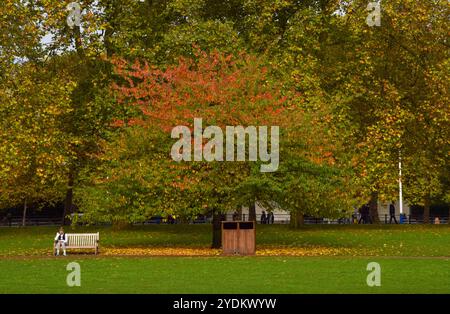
[413,259]
[225,275]
[383,240]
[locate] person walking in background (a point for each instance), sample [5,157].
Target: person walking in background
[263,217]
[271,218]
[392,213]
[9,219]
[355,215]
[362,217]
[368,217]
[365,214]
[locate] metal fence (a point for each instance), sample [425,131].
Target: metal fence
[277,219]
[31,221]
[383,218]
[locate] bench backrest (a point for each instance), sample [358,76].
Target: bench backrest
[82,239]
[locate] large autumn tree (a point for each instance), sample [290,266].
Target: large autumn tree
[139,178]
[219,88]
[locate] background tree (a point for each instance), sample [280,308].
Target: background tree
[33,152]
[391,92]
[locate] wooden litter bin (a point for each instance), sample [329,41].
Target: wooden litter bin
[238,237]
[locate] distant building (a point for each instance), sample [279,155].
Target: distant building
[283,216]
[280,216]
[383,209]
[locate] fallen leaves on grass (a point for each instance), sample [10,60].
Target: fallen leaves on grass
[22,252]
[160,251]
[267,251]
[206,251]
[303,251]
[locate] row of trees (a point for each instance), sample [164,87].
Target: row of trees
[86,112]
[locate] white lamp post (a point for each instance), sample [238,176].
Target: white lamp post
[400,188]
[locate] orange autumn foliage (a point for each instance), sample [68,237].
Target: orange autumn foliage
[221,89]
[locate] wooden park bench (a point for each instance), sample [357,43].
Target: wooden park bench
[82,241]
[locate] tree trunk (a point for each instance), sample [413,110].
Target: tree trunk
[68,202]
[426,210]
[373,208]
[78,42]
[297,219]
[217,230]
[239,211]
[24,215]
[252,212]
[121,225]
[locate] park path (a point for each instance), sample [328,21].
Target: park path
[339,252]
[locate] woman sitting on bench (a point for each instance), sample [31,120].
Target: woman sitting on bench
[60,241]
